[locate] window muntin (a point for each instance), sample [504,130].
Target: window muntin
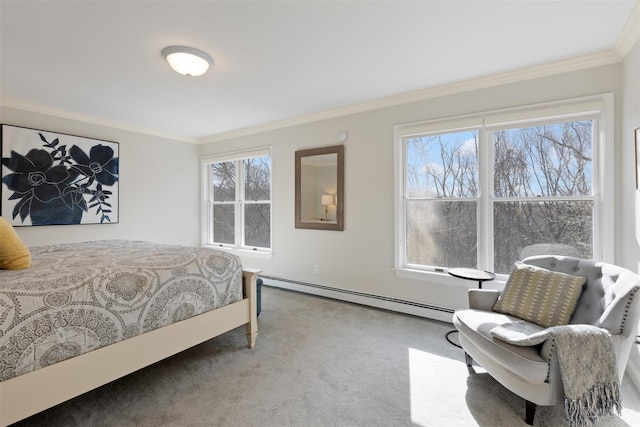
[238,201]
[570,135]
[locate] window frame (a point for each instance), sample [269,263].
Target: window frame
[207,203]
[599,108]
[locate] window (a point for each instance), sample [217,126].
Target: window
[543,190]
[237,201]
[484,191]
[441,199]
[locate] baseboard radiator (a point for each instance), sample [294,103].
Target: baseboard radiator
[394,304]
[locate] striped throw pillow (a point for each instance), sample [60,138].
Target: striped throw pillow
[547,298]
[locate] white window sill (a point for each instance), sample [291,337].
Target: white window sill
[444,278]
[243,252]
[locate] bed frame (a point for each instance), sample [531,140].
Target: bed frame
[33,392]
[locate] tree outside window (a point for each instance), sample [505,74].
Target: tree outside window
[543,191]
[540,182]
[240,202]
[442,199]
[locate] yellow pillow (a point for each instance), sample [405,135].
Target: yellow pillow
[14,255]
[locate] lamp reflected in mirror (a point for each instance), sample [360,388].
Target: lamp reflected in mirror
[327,200]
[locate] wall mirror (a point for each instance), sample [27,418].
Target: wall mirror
[320,188]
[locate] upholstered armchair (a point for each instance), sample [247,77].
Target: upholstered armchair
[608,299]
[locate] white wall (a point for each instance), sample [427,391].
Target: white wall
[360,258]
[630,212]
[159,186]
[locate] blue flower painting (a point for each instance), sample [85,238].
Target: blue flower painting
[52,179]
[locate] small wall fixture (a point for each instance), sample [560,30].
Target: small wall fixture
[187,60]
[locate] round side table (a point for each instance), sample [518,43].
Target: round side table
[469,274]
[472,274]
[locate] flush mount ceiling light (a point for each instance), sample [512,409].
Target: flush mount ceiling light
[187,60]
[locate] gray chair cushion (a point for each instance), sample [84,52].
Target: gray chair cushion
[524,362]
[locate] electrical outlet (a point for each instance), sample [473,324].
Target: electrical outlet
[317,269]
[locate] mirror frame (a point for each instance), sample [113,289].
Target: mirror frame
[339,224]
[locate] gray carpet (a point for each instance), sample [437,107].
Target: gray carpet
[318,362]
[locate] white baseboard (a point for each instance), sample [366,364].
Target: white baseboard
[443,314]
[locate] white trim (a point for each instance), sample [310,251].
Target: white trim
[629,35]
[244,253]
[399,160]
[237,155]
[446,315]
[605,162]
[86,118]
[550,111]
[459,124]
[443,278]
[485,201]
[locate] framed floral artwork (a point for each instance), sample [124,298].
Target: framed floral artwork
[57,179]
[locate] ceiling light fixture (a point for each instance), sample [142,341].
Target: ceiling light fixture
[187,60]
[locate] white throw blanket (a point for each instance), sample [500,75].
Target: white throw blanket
[587,366]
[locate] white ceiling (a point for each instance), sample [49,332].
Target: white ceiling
[278,60]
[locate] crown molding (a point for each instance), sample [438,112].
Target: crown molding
[629,35]
[85,118]
[544,70]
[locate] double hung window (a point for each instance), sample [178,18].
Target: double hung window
[484,191]
[237,200]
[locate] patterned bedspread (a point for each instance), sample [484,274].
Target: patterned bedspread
[78,297]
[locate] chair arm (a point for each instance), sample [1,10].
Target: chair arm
[483,299]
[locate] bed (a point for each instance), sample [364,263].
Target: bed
[86,314]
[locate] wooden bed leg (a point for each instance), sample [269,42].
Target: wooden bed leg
[252,335]
[250,277]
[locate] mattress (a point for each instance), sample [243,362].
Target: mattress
[76,298]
